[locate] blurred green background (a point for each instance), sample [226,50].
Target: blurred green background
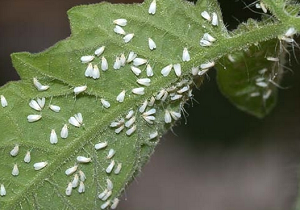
[221,159]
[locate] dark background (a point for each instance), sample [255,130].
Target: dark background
[222,159]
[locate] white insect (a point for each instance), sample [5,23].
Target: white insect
[151,44]
[290,32]
[208,37]
[110,167]
[184,89]
[121,96]
[144,81]
[77,120]
[175,115]
[100,50]
[40,165]
[267,94]
[89,70]
[41,102]
[207,65]
[139,61]
[81,188]
[3,101]
[130,122]
[120,22]
[152,8]
[128,37]
[71,170]
[119,30]
[75,181]
[177,69]
[119,129]
[15,151]
[100,145]
[96,72]
[115,203]
[82,176]
[110,185]
[273,59]
[168,118]
[185,55]
[149,112]
[231,58]
[118,168]
[131,57]
[165,96]
[117,64]
[160,94]
[2,190]
[54,108]
[102,194]
[87,58]
[105,103]
[153,135]
[202,72]
[263,7]
[148,116]
[215,20]
[108,194]
[138,91]
[131,130]
[39,86]
[262,84]
[151,101]
[176,97]
[27,157]
[105,205]
[64,132]
[123,59]
[255,94]
[129,114]
[166,70]
[195,70]
[205,43]
[110,154]
[104,64]
[206,16]
[136,70]
[117,123]
[53,137]
[79,89]
[149,70]
[82,159]
[15,171]
[143,107]
[69,189]
[33,118]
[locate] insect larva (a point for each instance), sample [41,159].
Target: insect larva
[53,137]
[82,159]
[64,132]
[144,81]
[152,8]
[40,165]
[69,189]
[110,185]
[3,101]
[115,203]
[33,117]
[71,170]
[131,130]
[121,96]
[89,70]
[102,194]
[153,135]
[110,167]
[2,190]
[166,70]
[207,65]
[81,188]
[138,91]
[118,168]
[110,154]
[105,103]
[104,64]
[87,58]
[149,70]
[185,55]
[54,108]
[39,86]
[129,114]
[119,30]
[15,151]
[15,171]
[99,51]
[139,61]
[120,22]
[105,205]
[175,115]
[136,70]
[168,118]
[206,16]
[79,89]
[131,57]
[128,37]
[130,122]
[82,176]
[151,44]
[27,157]
[96,72]
[215,20]
[75,181]
[117,64]
[177,69]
